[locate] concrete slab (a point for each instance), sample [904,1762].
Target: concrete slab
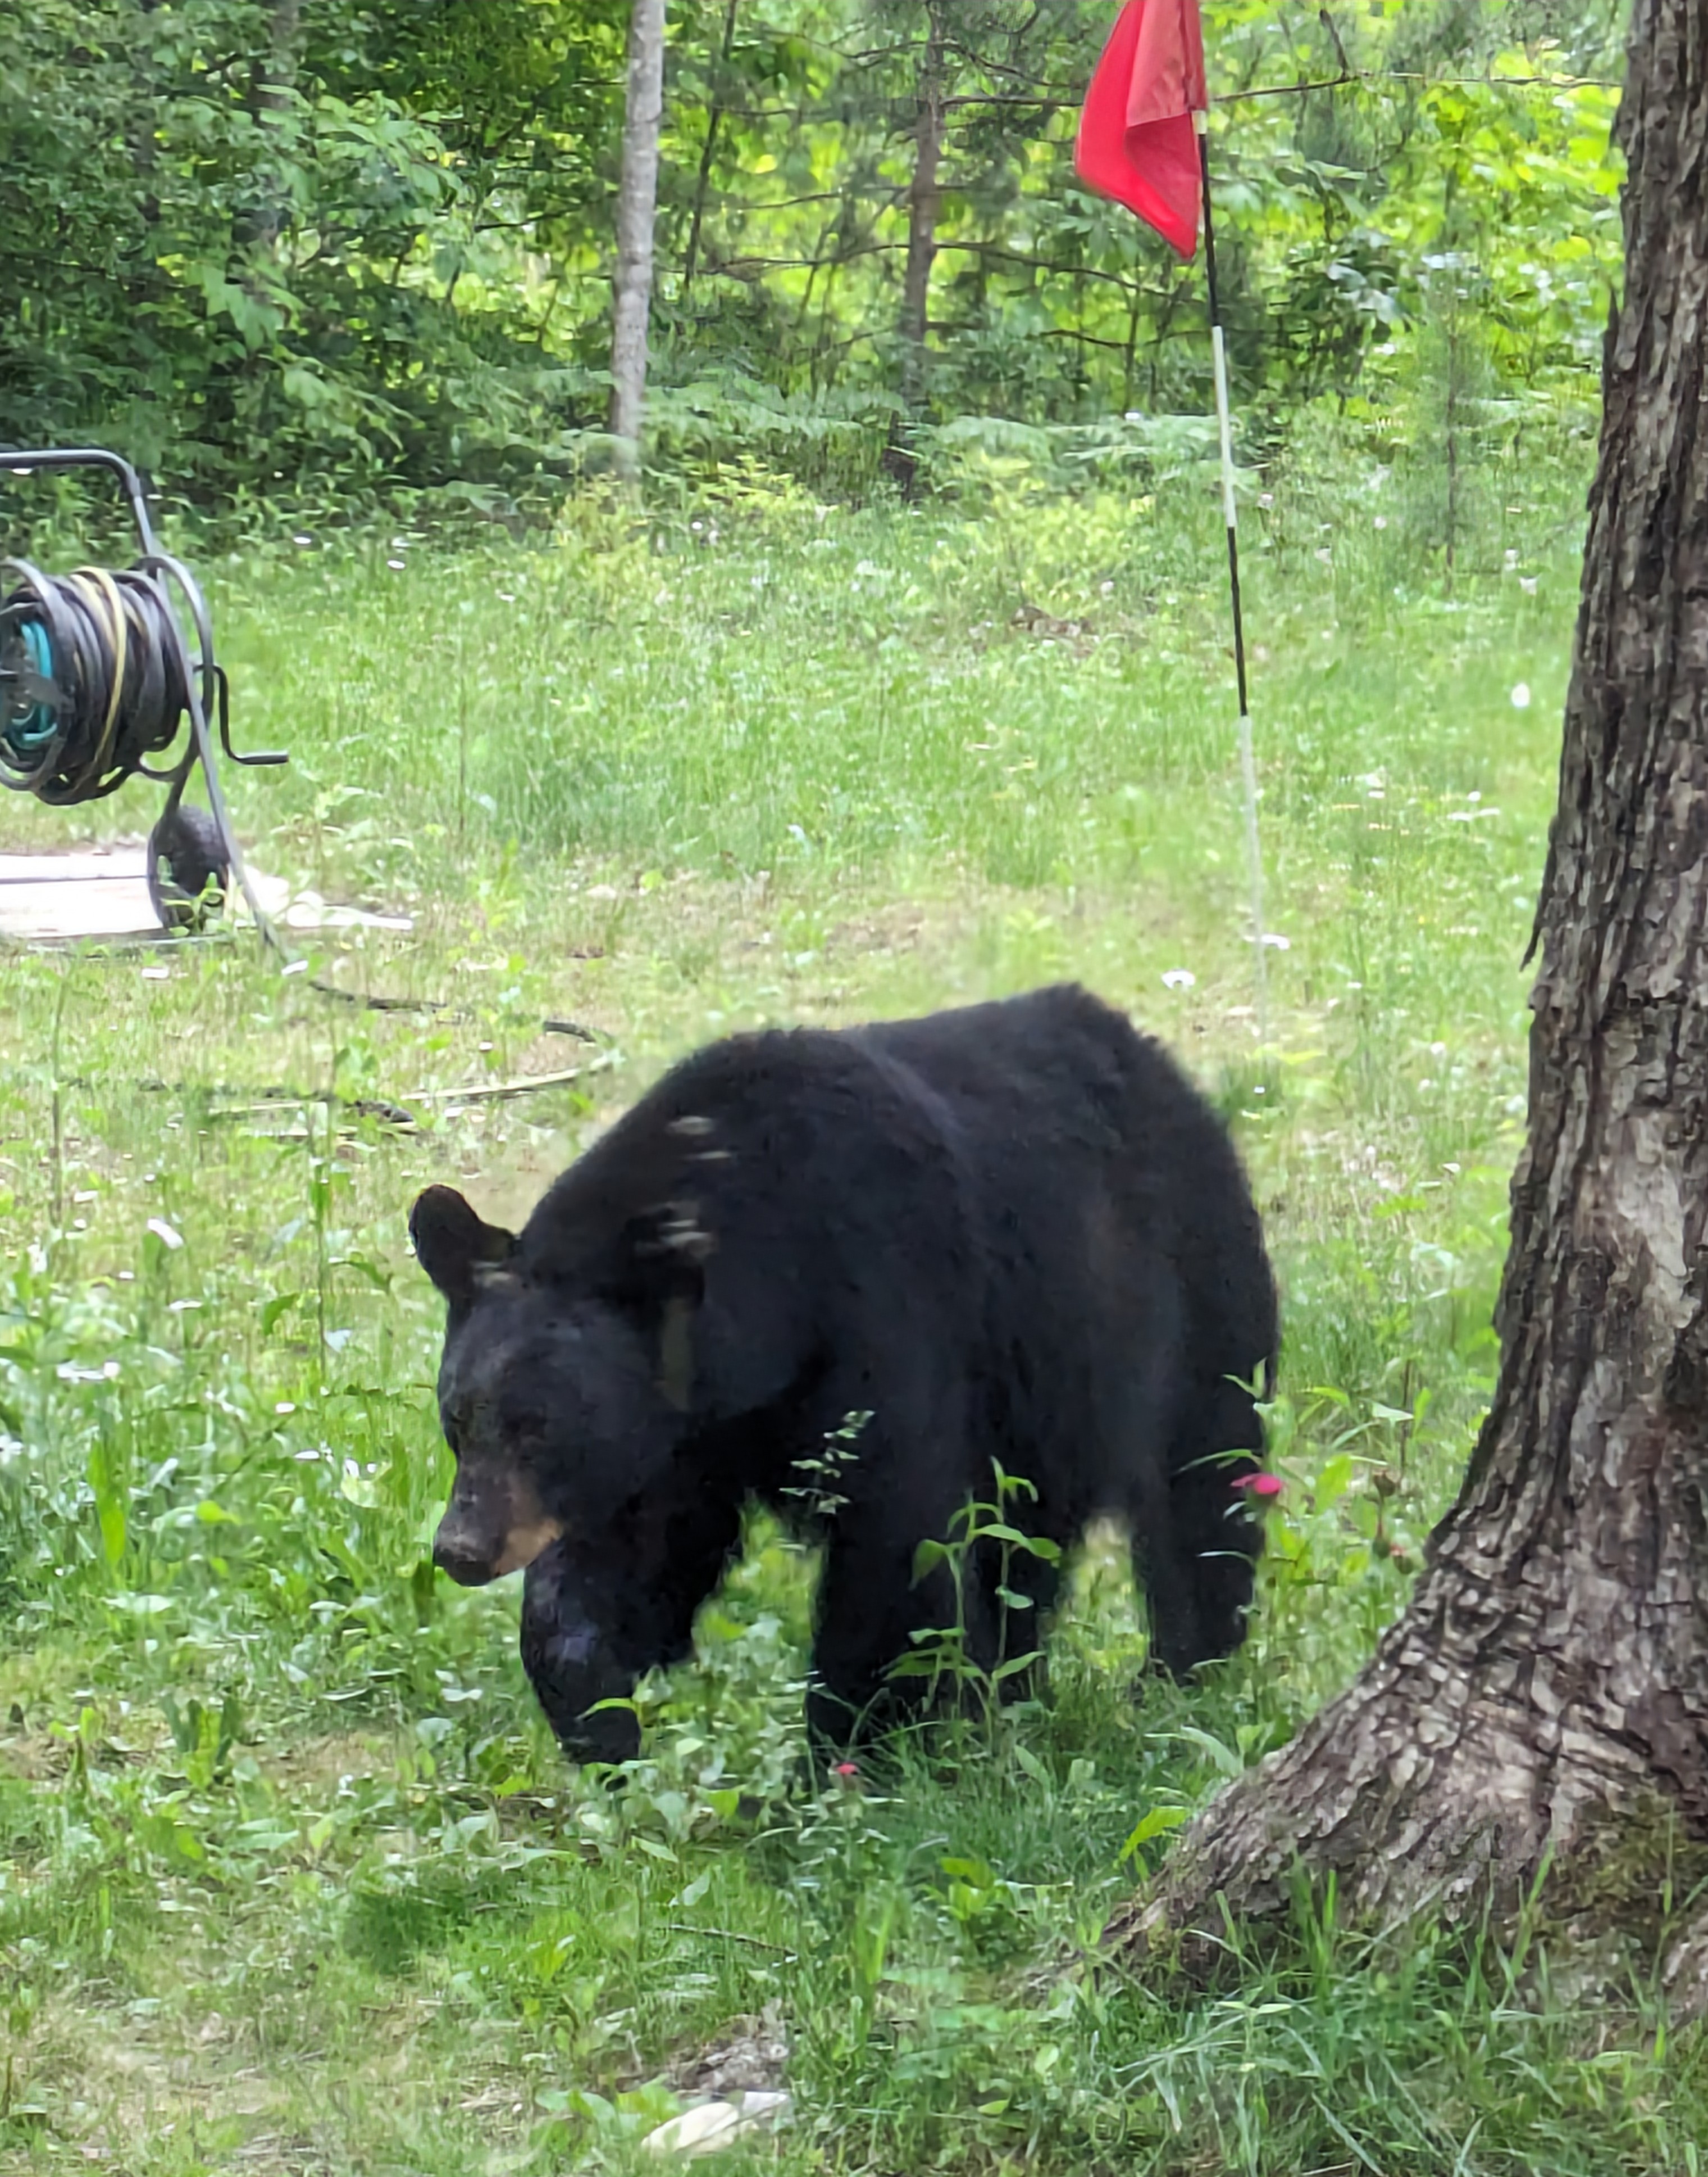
[97,865]
[103,892]
[86,895]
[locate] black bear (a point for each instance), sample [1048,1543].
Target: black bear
[1012,1231]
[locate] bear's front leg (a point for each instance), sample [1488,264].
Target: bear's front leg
[871,1612]
[601,1609]
[576,1654]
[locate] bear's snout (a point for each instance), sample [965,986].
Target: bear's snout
[456,1552]
[489,1530]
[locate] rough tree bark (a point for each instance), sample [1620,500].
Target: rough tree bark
[637,197]
[1543,1702]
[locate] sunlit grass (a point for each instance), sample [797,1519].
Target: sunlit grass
[293,1877]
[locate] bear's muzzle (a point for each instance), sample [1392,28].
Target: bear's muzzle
[486,1533]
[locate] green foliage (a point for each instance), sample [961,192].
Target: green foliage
[240,261]
[318,252]
[945,1657]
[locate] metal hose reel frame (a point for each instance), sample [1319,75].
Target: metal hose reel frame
[193,855]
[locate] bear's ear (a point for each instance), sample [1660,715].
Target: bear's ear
[453,1245]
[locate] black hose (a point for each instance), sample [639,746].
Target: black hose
[93,680]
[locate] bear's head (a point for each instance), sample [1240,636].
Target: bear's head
[560,1399]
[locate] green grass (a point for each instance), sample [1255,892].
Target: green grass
[294,1878]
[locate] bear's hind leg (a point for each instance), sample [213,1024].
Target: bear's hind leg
[1218,1539]
[1163,1572]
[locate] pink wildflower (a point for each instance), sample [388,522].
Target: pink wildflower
[1260,1484]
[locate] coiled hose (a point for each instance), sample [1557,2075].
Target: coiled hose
[97,680]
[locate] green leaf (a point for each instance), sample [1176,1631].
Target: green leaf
[306,388]
[1028,1761]
[272,1310]
[1159,1821]
[111,1515]
[1226,1758]
[928,1556]
[915,1667]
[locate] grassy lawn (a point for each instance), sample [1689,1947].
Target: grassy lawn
[293,1877]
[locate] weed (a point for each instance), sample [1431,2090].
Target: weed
[946,1657]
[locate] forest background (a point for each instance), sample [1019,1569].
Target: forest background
[334,253]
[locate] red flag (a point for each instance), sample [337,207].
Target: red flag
[1137,142]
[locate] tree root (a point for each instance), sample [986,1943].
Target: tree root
[1426,1791]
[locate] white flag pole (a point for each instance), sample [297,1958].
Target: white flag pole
[1249,768]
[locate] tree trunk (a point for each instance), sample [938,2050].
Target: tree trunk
[636,200]
[924,199]
[271,87]
[273,78]
[1543,1702]
[708,149]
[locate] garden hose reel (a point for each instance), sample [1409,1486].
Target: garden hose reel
[98,682]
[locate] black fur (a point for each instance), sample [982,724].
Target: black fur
[1013,1231]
